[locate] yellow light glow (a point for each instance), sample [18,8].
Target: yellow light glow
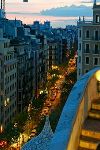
[5,103]
[7,100]
[98,75]
[1,129]
[54,67]
[41,92]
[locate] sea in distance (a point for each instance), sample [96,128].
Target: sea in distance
[56,22]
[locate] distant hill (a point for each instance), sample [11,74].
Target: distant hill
[69,11]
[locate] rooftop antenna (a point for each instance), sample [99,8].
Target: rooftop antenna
[3,6]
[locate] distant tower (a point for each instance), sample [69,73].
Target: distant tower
[96,13]
[2,9]
[3,4]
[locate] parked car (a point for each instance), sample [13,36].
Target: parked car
[45,111]
[48,104]
[33,133]
[3,143]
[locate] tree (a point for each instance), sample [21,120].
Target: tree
[10,133]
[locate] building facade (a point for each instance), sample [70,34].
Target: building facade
[24,73]
[8,82]
[89,42]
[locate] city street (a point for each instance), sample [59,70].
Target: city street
[55,92]
[51,103]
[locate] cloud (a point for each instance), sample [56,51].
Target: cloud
[72,10]
[86,1]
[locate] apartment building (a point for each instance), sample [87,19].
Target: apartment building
[89,42]
[8,82]
[24,73]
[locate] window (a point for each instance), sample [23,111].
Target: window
[5,91]
[10,56]
[20,96]
[2,109]
[86,71]
[8,80]
[10,88]
[19,84]
[5,80]
[11,67]
[79,46]
[95,61]
[1,98]
[87,48]
[96,35]
[15,75]
[50,57]
[5,70]
[97,19]
[80,33]
[10,77]
[96,49]
[79,59]
[1,86]
[1,75]
[15,94]
[1,63]
[5,45]
[87,34]
[79,71]
[87,60]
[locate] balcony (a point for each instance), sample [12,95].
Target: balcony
[84,23]
[8,63]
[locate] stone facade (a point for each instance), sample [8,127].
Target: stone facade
[25,74]
[89,42]
[42,141]
[75,111]
[8,82]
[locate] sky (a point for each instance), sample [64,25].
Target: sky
[35,6]
[25,11]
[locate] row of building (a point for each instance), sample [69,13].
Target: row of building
[26,55]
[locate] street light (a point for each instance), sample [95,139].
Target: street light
[98,80]
[29,117]
[1,128]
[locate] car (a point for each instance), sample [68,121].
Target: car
[45,111]
[33,133]
[48,104]
[3,143]
[53,98]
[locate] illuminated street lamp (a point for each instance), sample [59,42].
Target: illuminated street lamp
[98,80]
[29,117]
[6,102]
[1,128]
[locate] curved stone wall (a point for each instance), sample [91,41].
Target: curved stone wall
[66,136]
[42,141]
